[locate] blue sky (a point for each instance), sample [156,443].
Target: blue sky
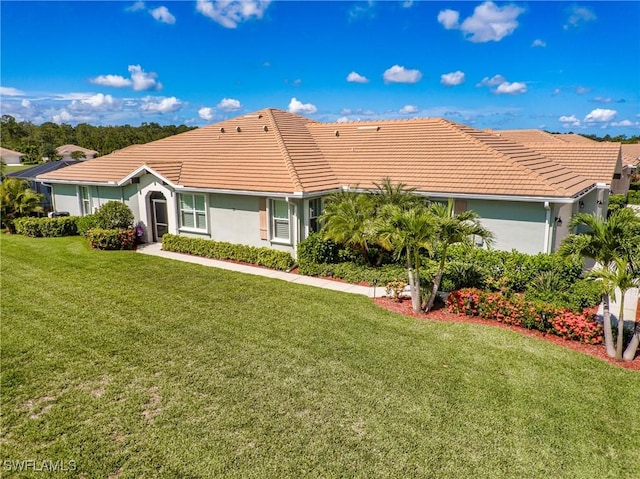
[560,66]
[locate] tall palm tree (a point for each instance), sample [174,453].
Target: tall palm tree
[347,220]
[17,200]
[604,241]
[388,193]
[451,229]
[407,232]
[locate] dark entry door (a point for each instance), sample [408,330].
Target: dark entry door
[160,223]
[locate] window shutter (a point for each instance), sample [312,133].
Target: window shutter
[262,206]
[460,206]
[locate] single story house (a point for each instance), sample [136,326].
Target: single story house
[30,175]
[11,157]
[260,179]
[66,152]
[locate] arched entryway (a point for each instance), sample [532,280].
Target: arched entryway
[159,216]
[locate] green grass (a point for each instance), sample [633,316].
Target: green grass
[143,367]
[12,168]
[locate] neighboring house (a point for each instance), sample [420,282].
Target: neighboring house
[259,179]
[66,151]
[30,175]
[11,157]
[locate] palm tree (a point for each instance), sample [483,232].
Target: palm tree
[407,232]
[604,241]
[17,200]
[388,193]
[347,220]
[451,229]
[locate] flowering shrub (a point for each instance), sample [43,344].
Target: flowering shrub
[112,239]
[517,311]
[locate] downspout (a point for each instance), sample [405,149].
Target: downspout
[547,225]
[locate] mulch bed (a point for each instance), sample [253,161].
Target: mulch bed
[598,351]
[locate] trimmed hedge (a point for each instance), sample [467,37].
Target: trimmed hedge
[112,239]
[47,227]
[517,311]
[266,257]
[85,223]
[355,273]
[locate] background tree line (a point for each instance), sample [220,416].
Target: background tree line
[40,141]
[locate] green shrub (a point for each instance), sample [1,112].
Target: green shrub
[616,203]
[112,239]
[355,273]
[114,215]
[85,223]
[314,249]
[47,227]
[266,257]
[633,197]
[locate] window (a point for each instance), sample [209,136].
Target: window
[280,230]
[315,210]
[86,200]
[192,212]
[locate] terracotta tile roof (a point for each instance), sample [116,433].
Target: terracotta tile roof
[7,151]
[68,149]
[631,154]
[275,151]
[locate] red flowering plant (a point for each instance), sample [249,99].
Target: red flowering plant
[515,310]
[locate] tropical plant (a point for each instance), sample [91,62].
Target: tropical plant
[17,200]
[605,241]
[452,228]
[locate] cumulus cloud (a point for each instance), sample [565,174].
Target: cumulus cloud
[25,104]
[229,104]
[452,79]
[165,105]
[578,16]
[493,81]
[296,106]
[488,22]
[230,14]
[355,77]
[399,74]
[407,109]
[116,81]
[514,88]
[143,81]
[624,123]
[600,115]
[137,6]
[206,113]
[539,43]
[570,120]
[163,15]
[8,91]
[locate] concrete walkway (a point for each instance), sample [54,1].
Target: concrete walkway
[155,249]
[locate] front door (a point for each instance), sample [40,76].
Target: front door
[160,224]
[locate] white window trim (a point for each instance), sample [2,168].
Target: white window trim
[271,223]
[206,214]
[84,210]
[308,214]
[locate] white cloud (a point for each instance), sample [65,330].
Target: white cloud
[166,105]
[355,77]
[452,79]
[229,104]
[361,10]
[600,99]
[143,81]
[488,22]
[556,91]
[569,121]
[407,4]
[163,15]
[514,88]
[206,113]
[115,81]
[137,6]
[581,90]
[600,115]
[539,43]
[230,13]
[25,104]
[578,16]
[8,91]
[493,81]
[408,109]
[343,119]
[449,18]
[296,106]
[98,101]
[399,74]
[623,123]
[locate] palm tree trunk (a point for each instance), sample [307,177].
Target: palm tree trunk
[620,329]
[414,286]
[632,347]
[608,333]
[436,282]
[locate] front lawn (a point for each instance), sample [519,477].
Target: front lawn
[141,367]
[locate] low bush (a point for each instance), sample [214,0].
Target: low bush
[47,227]
[355,273]
[516,310]
[85,223]
[266,257]
[112,239]
[114,215]
[633,197]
